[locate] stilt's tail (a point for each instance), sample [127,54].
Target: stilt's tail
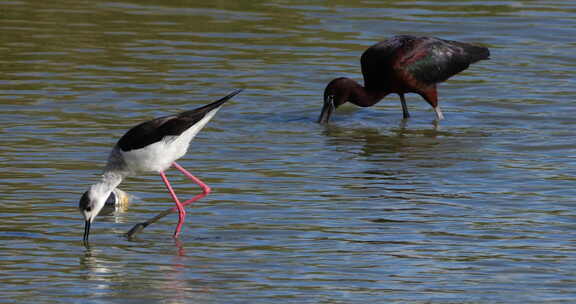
[211,106]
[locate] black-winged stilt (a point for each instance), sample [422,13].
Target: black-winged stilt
[153,145]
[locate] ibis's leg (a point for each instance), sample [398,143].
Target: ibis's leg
[431,96]
[405,112]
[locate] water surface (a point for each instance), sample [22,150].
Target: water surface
[475,209]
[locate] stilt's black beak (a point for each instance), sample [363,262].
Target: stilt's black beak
[327,110]
[86,231]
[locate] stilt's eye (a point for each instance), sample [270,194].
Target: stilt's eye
[88,209]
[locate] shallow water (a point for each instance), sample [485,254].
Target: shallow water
[476,209]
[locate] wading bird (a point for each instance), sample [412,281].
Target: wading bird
[154,146]
[402,64]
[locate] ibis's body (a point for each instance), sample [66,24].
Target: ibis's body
[402,64]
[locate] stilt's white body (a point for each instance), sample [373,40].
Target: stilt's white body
[161,155]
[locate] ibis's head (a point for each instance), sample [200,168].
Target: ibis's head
[337,92]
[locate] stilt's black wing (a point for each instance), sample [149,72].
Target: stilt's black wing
[155,130]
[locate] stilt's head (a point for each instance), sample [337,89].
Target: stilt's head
[92,202]
[338,91]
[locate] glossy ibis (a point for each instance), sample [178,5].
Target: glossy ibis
[402,64]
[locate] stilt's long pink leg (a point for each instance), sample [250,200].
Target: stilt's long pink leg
[179,206]
[181,211]
[205,188]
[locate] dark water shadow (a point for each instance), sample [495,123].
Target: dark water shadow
[402,142]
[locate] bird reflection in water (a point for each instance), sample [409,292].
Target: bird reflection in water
[374,141]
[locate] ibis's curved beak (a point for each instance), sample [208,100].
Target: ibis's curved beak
[87,230]
[327,109]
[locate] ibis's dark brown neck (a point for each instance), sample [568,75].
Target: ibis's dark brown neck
[363,97]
